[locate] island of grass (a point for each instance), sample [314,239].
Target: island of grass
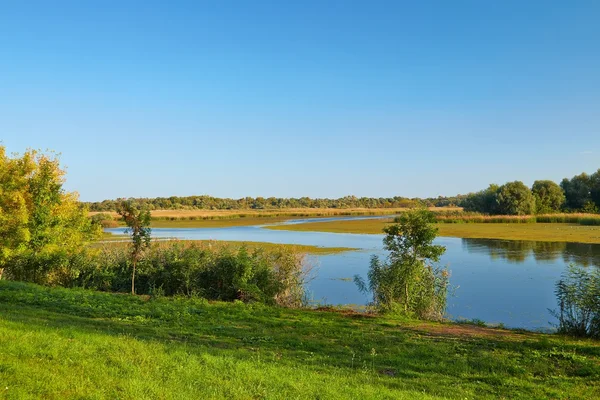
[551,232]
[549,228]
[71,343]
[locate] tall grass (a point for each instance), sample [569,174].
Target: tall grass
[466,217]
[213,271]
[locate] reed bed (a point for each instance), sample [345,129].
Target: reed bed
[580,218]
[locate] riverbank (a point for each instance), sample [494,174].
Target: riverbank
[551,232]
[65,343]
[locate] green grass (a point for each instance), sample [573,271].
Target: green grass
[552,232]
[65,344]
[121,240]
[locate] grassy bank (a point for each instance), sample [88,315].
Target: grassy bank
[224,218]
[454,217]
[61,343]
[122,240]
[552,232]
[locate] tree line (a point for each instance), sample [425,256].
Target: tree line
[258,203]
[581,193]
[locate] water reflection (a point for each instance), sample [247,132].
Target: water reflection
[518,251]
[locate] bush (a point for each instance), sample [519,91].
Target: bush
[104,220]
[215,272]
[407,281]
[578,294]
[58,268]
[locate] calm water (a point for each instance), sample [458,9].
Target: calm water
[497,281]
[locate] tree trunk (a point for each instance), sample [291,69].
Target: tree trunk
[133,278]
[1,272]
[406,297]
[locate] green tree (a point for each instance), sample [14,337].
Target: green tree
[484,201]
[514,198]
[138,225]
[37,216]
[595,188]
[408,281]
[549,197]
[577,191]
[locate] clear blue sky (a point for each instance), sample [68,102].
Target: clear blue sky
[302,98]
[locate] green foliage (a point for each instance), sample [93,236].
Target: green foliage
[578,295]
[138,225]
[578,194]
[104,220]
[595,189]
[485,201]
[407,281]
[261,203]
[36,215]
[216,272]
[577,191]
[549,197]
[590,208]
[514,198]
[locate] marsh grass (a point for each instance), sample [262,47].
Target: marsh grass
[549,232]
[465,217]
[67,344]
[122,241]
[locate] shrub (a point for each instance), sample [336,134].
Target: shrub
[407,281]
[214,271]
[104,220]
[578,295]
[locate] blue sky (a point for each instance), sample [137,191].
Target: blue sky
[306,98]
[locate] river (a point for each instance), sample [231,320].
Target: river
[497,281]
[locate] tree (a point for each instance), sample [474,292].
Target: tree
[138,223]
[549,197]
[577,191]
[514,198]
[37,216]
[408,281]
[595,188]
[484,201]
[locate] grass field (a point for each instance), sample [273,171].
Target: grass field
[552,232]
[73,344]
[122,240]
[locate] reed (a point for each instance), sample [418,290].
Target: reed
[580,218]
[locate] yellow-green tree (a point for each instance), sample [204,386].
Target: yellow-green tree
[138,225]
[37,216]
